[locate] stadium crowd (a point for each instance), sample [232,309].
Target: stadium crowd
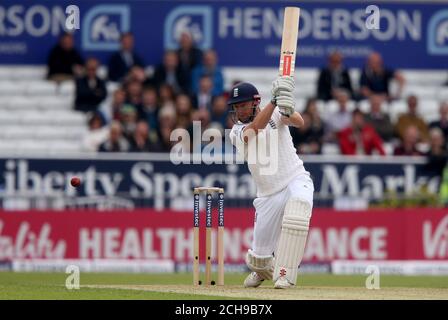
[188,85]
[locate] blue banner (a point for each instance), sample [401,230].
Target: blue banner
[147,181]
[410,35]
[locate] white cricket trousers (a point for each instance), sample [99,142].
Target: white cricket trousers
[270,211]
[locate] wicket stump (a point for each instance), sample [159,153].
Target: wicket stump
[208,235]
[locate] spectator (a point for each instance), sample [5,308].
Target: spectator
[166,144]
[128,120]
[230,120]
[136,73]
[360,138]
[116,141]
[437,154]
[300,136]
[170,73]
[149,110]
[339,120]
[189,56]
[183,111]
[140,140]
[219,112]
[408,145]
[167,123]
[443,122]
[333,79]
[308,138]
[90,89]
[168,117]
[122,61]
[375,78]
[411,118]
[379,120]
[134,93]
[202,116]
[97,134]
[166,96]
[204,96]
[211,69]
[64,61]
[118,101]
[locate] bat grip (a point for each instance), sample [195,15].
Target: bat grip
[284,114]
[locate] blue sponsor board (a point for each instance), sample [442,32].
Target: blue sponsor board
[410,35]
[147,181]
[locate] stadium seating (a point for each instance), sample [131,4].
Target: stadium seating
[38,115]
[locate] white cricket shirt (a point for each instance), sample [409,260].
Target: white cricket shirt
[272,177]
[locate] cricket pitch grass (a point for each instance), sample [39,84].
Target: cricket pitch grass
[178,287]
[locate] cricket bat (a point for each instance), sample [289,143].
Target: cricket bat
[289,41]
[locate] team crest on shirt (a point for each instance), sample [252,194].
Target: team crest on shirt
[272,124]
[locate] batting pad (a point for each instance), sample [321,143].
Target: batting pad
[292,241]
[263,265]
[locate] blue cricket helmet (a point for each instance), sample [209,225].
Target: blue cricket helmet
[242,92]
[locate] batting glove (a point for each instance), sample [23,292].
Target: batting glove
[281,84]
[285,103]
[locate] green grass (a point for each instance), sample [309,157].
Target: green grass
[52,285]
[390,281]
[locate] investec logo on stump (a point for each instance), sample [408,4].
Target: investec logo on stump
[206,147]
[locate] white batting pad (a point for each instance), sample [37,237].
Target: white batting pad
[263,265]
[292,241]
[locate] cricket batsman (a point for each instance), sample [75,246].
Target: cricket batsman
[285,198]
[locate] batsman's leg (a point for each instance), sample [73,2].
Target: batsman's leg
[292,242]
[261,267]
[259,259]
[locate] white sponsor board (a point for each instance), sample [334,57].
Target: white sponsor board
[99,265]
[399,267]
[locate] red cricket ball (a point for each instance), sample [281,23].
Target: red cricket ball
[75,182]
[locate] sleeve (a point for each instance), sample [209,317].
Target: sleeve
[390,74]
[113,68]
[78,58]
[345,145]
[348,82]
[82,90]
[378,143]
[195,76]
[236,134]
[102,90]
[364,81]
[52,58]
[158,77]
[276,117]
[218,83]
[322,88]
[138,60]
